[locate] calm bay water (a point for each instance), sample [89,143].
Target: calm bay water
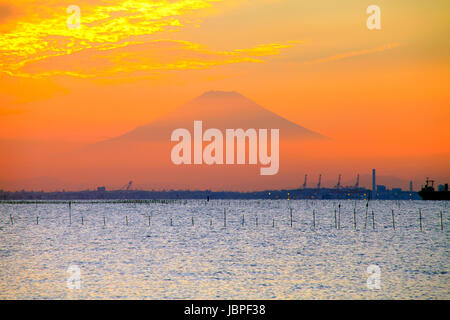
[262,257]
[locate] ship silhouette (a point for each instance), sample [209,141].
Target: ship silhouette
[428,192]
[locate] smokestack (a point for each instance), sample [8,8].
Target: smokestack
[410,186]
[374,184]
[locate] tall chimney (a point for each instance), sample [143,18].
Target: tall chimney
[374,184]
[410,186]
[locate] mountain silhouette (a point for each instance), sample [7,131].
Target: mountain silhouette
[144,153]
[221,110]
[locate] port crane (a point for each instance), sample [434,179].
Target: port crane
[320,180]
[338,186]
[357,182]
[128,185]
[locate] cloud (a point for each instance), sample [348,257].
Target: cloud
[103,26]
[353,54]
[115,36]
[151,57]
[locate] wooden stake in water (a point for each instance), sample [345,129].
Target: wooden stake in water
[126,220]
[224,218]
[442,225]
[273,222]
[243,220]
[256,220]
[373,220]
[335,219]
[37,220]
[70,213]
[171,222]
[11,219]
[367,209]
[210,222]
[354,218]
[82,220]
[393,220]
[104,221]
[314,219]
[339,217]
[420,219]
[291,216]
[192,220]
[149,221]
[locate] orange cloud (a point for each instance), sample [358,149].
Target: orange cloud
[46,33]
[353,54]
[114,38]
[151,56]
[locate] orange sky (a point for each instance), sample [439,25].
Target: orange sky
[378,92]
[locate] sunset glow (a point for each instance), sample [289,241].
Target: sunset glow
[382,96]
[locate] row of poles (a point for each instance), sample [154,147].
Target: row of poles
[337,219]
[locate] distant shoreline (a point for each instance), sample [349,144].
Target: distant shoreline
[136,196]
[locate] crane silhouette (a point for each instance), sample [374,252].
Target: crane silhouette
[338,186]
[128,185]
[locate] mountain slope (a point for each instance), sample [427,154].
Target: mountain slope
[144,154]
[221,110]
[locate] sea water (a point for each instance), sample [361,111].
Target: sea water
[186,249]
